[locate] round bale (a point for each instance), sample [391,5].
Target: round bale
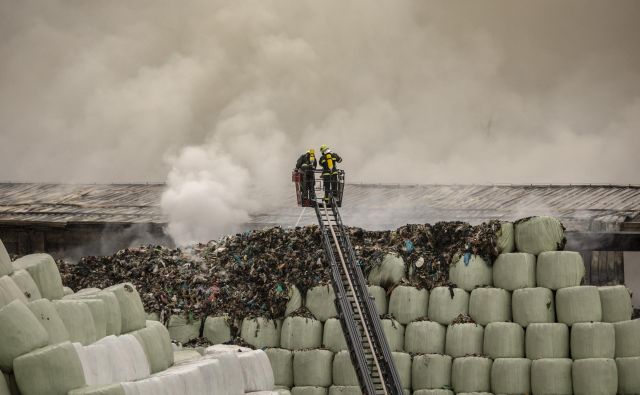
[217,329]
[389,272]
[44,271]
[182,329]
[308,391]
[78,320]
[431,371]
[112,309]
[282,364]
[538,234]
[131,309]
[424,337]
[468,276]
[547,341]
[616,303]
[628,375]
[394,332]
[300,333]
[533,305]
[29,288]
[627,338]
[578,304]
[333,337]
[464,339]
[446,304]
[321,302]
[514,271]
[559,269]
[506,242]
[503,340]
[408,303]
[6,267]
[9,291]
[595,376]
[295,301]
[21,333]
[403,367]
[50,320]
[511,376]
[488,305]
[312,368]
[261,332]
[380,296]
[593,340]
[551,376]
[471,374]
[344,373]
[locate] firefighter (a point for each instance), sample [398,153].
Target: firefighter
[307,163]
[328,162]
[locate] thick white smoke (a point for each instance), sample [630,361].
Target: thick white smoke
[224,95]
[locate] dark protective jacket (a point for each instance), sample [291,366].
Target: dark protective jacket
[328,162]
[306,162]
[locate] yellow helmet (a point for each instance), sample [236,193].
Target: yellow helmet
[311,151]
[323,148]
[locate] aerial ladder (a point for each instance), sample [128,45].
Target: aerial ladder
[359,318]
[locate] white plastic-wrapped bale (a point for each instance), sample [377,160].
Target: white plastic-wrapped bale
[471,374]
[408,303]
[217,329]
[424,337]
[189,378]
[50,320]
[99,314]
[559,269]
[333,337]
[345,390]
[595,376]
[131,308]
[488,305]
[165,340]
[282,365]
[431,371]
[300,333]
[212,374]
[403,367]
[627,338]
[309,391]
[593,340]
[551,376]
[78,320]
[96,364]
[6,267]
[380,296]
[312,368]
[127,358]
[394,332]
[473,273]
[320,302]
[511,376]
[547,341]
[224,349]
[52,370]
[112,389]
[533,306]
[261,332]
[506,242]
[514,271]
[344,373]
[538,234]
[578,304]
[445,304]
[628,377]
[185,355]
[433,392]
[182,329]
[503,340]
[616,303]
[112,308]
[9,291]
[231,370]
[389,272]
[256,368]
[25,283]
[44,272]
[21,333]
[152,316]
[153,348]
[295,300]
[464,339]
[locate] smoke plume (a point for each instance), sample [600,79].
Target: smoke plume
[218,98]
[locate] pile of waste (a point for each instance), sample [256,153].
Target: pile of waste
[252,274]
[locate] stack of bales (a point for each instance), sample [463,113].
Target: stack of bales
[536,330]
[56,342]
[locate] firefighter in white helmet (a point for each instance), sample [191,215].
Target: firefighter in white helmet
[328,161]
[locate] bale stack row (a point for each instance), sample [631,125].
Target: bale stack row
[56,342]
[532,329]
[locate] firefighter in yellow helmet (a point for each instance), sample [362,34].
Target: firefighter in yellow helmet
[328,161]
[307,163]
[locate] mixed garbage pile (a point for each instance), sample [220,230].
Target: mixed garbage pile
[252,273]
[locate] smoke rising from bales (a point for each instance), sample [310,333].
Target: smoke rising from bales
[219,97]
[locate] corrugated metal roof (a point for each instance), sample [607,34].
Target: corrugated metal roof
[581,207]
